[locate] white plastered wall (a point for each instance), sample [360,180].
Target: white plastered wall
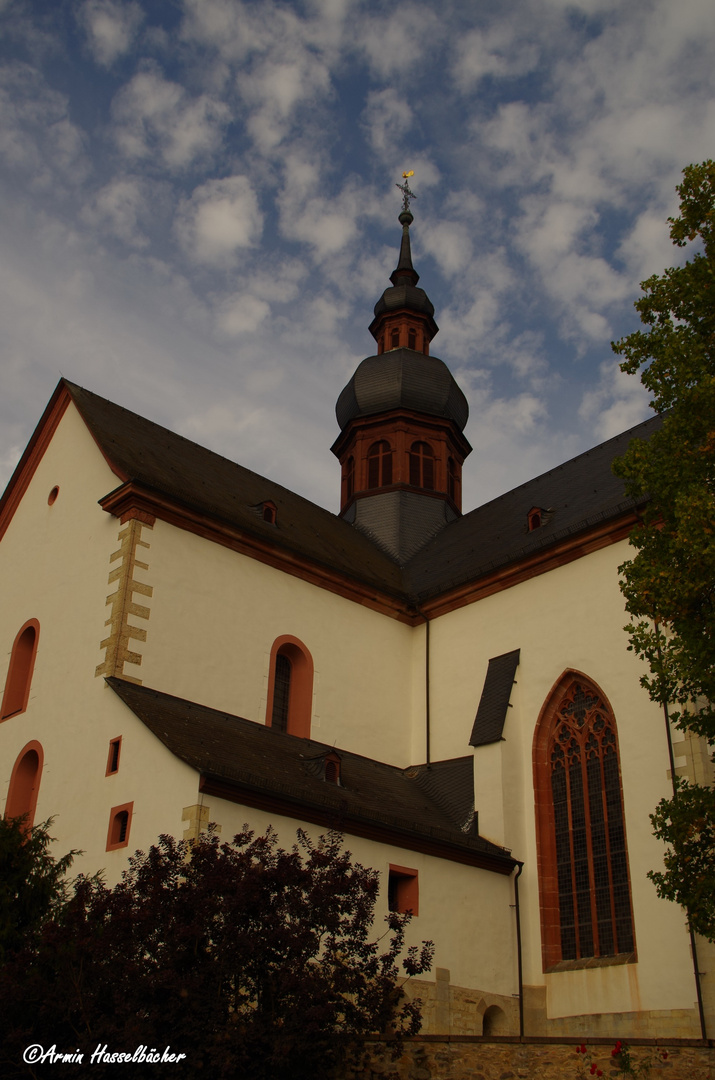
[465,910]
[571,617]
[54,564]
[215,615]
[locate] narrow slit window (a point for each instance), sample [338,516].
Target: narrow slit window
[113,757]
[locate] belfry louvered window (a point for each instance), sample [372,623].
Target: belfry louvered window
[379,464]
[582,831]
[422,466]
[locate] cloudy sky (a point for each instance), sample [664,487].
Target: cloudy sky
[198,210]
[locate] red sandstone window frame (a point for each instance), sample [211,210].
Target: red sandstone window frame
[115,750]
[403,894]
[24,784]
[118,836]
[20,670]
[552,893]
[300,695]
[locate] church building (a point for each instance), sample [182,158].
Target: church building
[183,641]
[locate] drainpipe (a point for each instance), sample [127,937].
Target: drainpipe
[693,947]
[520,867]
[427,689]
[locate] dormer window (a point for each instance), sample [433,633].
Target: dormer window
[536,518]
[332,769]
[269,512]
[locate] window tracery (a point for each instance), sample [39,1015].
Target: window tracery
[584,882]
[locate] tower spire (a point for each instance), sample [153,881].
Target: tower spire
[401,445]
[405,273]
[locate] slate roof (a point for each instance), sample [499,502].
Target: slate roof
[204,481]
[581,493]
[429,803]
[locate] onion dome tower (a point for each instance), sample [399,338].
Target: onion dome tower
[401,418]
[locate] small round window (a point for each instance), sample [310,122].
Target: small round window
[53,495]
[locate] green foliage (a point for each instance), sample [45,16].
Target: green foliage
[32,885]
[669,585]
[253,961]
[687,824]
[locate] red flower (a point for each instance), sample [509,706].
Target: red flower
[593,1068]
[583,1048]
[599,1072]
[615,1052]
[664,1055]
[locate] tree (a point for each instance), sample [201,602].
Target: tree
[253,961]
[669,585]
[32,882]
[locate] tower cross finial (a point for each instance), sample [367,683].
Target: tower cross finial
[405,189]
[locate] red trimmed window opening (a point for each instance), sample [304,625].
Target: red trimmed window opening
[290,687]
[19,674]
[25,784]
[120,820]
[115,746]
[584,884]
[403,890]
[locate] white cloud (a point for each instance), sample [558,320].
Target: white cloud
[37,137]
[242,315]
[617,403]
[396,43]
[118,208]
[220,219]
[153,114]
[111,26]
[387,119]
[493,50]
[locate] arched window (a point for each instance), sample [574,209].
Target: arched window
[290,687]
[411,339]
[19,674]
[25,784]
[422,466]
[379,464]
[583,862]
[395,339]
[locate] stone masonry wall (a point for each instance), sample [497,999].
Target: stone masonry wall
[430,1058]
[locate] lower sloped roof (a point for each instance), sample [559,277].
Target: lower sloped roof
[249,762]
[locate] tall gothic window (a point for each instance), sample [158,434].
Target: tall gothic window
[583,862]
[379,464]
[422,466]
